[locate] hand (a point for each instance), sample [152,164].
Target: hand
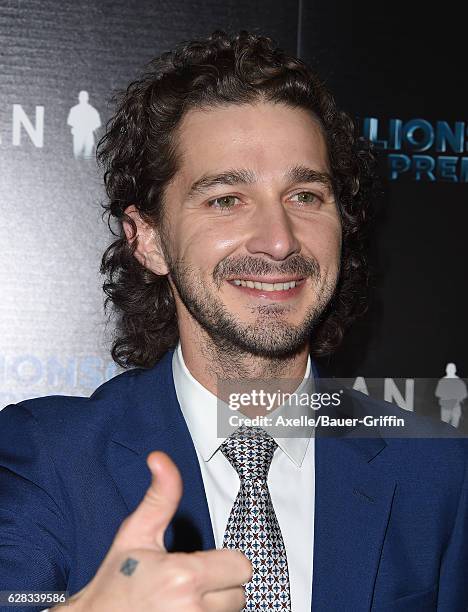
[139,574]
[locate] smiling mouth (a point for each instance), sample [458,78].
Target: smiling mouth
[279,286]
[273,289]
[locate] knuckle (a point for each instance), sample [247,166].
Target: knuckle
[187,579]
[182,573]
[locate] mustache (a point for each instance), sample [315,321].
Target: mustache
[297,265]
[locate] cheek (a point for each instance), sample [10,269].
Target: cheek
[204,248]
[332,248]
[323,241]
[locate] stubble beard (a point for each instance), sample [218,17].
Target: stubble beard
[271,336]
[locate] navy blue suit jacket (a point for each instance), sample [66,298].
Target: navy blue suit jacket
[391,515]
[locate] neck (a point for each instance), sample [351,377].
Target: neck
[210,361]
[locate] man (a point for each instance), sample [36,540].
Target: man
[240,194]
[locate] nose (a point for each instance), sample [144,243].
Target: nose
[272,232]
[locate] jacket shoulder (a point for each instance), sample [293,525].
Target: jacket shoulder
[62,416]
[423,444]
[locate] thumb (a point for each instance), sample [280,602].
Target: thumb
[146,525]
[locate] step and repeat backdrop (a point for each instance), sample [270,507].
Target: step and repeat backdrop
[400,75]
[60,65]
[399,69]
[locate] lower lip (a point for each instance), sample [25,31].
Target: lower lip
[280,295]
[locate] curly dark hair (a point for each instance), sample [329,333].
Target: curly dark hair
[139,158]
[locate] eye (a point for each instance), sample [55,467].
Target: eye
[307,197]
[223,202]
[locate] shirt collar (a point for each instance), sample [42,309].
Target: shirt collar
[200,409]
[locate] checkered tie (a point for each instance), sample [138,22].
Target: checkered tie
[252,526]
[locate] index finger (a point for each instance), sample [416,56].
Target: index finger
[223,569]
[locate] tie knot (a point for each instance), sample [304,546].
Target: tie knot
[249,450]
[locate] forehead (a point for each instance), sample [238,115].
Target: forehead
[264,137]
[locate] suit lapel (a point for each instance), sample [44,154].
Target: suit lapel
[153,421]
[353,502]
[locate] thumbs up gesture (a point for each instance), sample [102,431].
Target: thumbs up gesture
[139,574]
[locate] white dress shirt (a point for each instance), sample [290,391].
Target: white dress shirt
[291,479]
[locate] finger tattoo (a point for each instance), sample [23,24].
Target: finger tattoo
[128,566]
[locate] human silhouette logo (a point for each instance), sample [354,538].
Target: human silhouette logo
[84,120]
[451,391]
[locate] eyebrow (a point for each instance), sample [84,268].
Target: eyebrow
[242,176]
[228,177]
[303,174]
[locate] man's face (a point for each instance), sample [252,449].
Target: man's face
[252,234]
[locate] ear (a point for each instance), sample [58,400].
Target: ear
[148,242]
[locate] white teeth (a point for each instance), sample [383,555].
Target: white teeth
[265,286]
